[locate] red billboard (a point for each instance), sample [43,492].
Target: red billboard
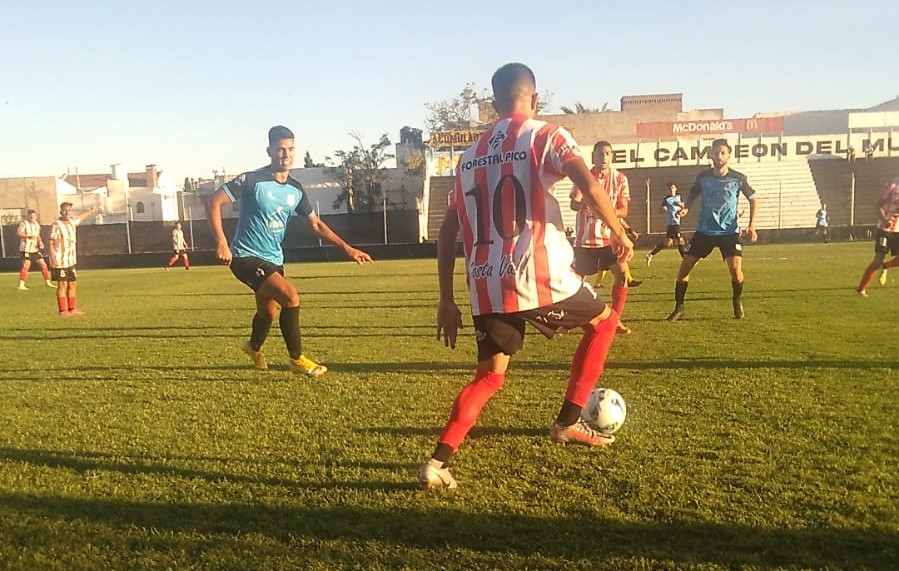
[701,127]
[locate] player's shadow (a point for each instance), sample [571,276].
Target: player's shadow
[583,535]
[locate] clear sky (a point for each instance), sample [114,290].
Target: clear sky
[193,86]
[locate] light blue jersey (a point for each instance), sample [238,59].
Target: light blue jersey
[672,203]
[719,196]
[265,207]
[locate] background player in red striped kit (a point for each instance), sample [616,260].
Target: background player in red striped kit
[64,258]
[518,263]
[30,246]
[179,248]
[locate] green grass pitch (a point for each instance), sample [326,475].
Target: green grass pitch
[139,437]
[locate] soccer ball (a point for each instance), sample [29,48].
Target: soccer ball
[605,409]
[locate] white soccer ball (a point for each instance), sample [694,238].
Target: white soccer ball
[605,410]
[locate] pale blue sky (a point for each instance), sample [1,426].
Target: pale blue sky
[195,87]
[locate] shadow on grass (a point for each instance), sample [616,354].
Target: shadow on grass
[574,536]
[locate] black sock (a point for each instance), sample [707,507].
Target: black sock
[738,289]
[442,453]
[568,414]
[657,249]
[261,326]
[680,250]
[290,330]
[680,292]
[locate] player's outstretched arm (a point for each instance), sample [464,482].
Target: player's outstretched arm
[324,232]
[214,217]
[449,318]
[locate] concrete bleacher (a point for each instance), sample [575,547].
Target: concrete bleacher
[834,179]
[787,196]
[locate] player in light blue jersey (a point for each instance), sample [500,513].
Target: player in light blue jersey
[822,222]
[718,189]
[672,205]
[268,198]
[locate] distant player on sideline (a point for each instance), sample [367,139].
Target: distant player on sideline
[592,245]
[269,196]
[64,258]
[30,246]
[179,247]
[671,206]
[518,263]
[886,240]
[822,223]
[717,226]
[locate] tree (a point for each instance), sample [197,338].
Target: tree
[456,114]
[309,163]
[581,108]
[360,173]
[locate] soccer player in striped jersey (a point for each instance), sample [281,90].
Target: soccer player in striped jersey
[886,240]
[269,197]
[518,263]
[30,246]
[592,250]
[718,225]
[179,248]
[64,258]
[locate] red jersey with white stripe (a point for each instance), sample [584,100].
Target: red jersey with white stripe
[63,241]
[29,236]
[516,253]
[589,231]
[178,242]
[889,203]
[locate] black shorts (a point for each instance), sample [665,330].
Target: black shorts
[254,271]
[64,274]
[179,253]
[673,232]
[701,245]
[504,332]
[886,242]
[588,261]
[32,256]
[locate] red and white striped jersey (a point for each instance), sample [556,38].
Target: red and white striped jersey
[63,241]
[516,253]
[29,236]
[889,203]
[178,242]
[589,231]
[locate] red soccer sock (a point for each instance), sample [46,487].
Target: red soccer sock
[619,296]
[23,273]
[63,305]
[186,263]
[467,407]
[866,278]
[45,273]
[72,303]
[172,261]
[590,359]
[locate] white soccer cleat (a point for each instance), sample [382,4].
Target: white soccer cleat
[882,280]
[579,433]
[433,478]
[861,293]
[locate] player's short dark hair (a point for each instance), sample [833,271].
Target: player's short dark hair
[278,133]
[601,144]
[670,183]
[508,79]
[64,204]
[722,143]
[30,212]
